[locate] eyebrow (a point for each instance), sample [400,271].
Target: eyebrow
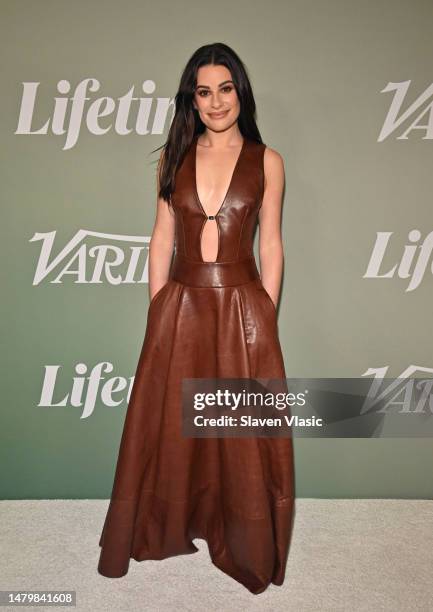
[223,83]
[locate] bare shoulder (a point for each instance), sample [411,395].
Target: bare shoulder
[273,164]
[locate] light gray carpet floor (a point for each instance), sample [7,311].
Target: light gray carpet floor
[346,555]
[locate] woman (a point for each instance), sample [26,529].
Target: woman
[210,316]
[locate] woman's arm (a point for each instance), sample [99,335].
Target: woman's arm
[161,243]
[270,242]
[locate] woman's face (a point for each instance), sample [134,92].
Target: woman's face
[215,97]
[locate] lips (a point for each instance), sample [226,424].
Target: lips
[218,115]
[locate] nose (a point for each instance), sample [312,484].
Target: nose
[216,102]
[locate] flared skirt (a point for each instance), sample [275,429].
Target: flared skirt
[235,493]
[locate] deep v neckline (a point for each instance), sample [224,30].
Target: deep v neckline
[194,171]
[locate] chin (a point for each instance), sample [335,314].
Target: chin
[223,123]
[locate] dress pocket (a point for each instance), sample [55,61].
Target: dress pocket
[268,299]
[158,293]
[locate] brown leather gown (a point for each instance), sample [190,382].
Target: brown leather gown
[210,320]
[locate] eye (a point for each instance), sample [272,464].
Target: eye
[204,92]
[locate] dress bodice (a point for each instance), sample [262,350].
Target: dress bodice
[237,215]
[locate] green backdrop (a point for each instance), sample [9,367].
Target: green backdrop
[344,93]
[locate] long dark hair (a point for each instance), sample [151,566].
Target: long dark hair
[186,124]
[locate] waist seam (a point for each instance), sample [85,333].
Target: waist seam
[219,263]
[213,273]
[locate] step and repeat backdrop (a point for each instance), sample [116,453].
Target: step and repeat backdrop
[344,92]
